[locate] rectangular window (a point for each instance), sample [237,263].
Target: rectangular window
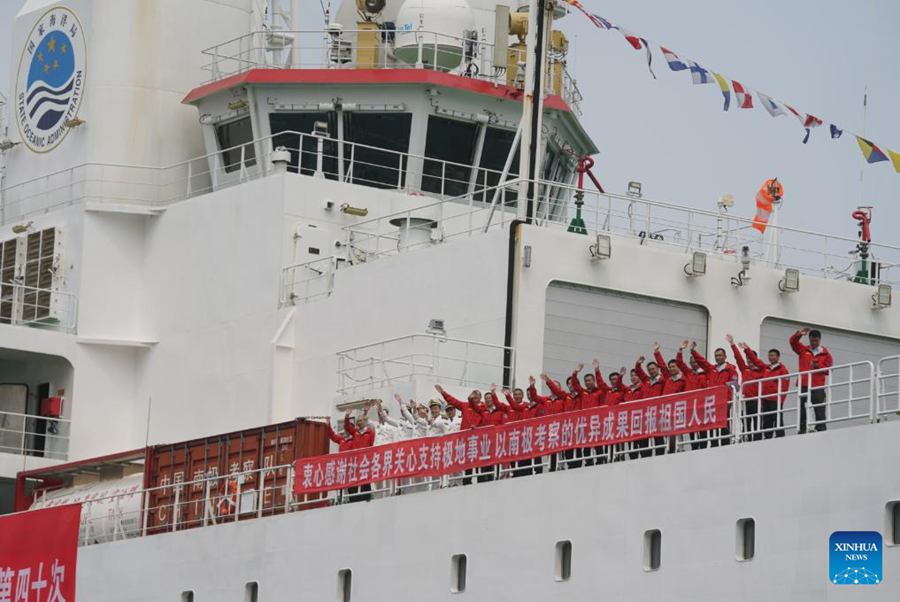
[458,573]
[370,166]
[652,549]
[345,583]
[563,560]
[187,596]
[251,591]
[745,543]
[892,523]
[449,146]
[497,145]
[234,138]
[303,146]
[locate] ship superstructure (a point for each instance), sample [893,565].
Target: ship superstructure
[267,221]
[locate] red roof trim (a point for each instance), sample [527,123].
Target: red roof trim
[367,76]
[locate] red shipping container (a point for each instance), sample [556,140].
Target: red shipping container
[201,462]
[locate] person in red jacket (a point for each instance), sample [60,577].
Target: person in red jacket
[750,373]
[722,373]
[672,383]
[814,359]
[473,412]
[497,410]
[635,390]
[344,443]
[694,379]
[772,390]
[362,435]
[652,382]
[694,376]
[615,390]
[591,395]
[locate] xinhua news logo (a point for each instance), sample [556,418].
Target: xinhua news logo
[855,558]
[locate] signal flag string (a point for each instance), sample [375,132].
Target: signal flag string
[743,95]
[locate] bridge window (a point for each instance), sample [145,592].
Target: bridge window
[563,560]
[376,157]
[235,137]
[449,146]
[370,166]
[251,591]
[304,154]
[745,545]
[187,596]
[652,549]
[458,565]
[497,144]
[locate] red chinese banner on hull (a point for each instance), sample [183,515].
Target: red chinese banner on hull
[669,415]
[38,550]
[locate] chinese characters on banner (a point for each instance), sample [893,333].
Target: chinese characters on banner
[37,555]
[687,412]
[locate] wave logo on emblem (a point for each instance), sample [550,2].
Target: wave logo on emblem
[50,80]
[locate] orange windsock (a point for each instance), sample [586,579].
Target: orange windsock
[770,192]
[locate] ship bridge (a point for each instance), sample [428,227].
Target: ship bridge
[420,96]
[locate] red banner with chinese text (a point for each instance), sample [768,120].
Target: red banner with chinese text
[688,412]
[38,550]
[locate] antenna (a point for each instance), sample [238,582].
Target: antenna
[862,167]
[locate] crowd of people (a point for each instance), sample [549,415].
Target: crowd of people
[764,388]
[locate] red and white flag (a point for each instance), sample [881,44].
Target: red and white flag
[744,99]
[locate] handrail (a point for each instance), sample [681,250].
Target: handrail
[18,435]
[221,503]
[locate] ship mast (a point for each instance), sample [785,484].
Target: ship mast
[540,16]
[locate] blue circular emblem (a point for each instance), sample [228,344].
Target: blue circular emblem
[50,80]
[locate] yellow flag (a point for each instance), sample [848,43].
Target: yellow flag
[895,159]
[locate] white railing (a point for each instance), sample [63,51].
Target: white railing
[686,229]
[439,358]
[38,307]
[304,282]
[154,188]
[434,223]
[30,435]
[321,49]
[851,397]
[887,388]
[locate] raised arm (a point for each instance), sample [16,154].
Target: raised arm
[738,356]
[334,436]
[639,370]
[701,361]
[598,378]
[349,426]
[796,344]
[753,359]
[679,360]
[533,395]
[456,403]
[554,388]
[576,382]
[661,362]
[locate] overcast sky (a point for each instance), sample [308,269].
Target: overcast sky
[674,137]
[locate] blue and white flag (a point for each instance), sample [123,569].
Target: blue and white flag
[699,74]
[774,108]
[835,131]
